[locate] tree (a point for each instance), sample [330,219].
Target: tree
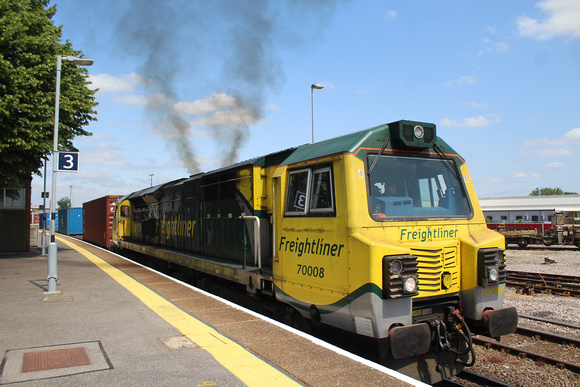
[63,202]
[29,44]
[550,191]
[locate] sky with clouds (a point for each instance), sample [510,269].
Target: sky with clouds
[190,86]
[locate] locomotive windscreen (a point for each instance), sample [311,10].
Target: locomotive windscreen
[419,188]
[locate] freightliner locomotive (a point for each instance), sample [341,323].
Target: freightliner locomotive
[378,233]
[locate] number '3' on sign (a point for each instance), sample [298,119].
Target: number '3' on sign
[68,162]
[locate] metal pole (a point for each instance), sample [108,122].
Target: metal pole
[44,211]
[312,102]
[52,248]
[314,86]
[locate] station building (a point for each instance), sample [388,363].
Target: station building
[15,217]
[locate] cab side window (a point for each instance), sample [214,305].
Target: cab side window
[310,193]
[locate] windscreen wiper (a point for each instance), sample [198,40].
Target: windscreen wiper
[377,156]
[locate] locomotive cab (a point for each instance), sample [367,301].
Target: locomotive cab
[399,251]
[122,221]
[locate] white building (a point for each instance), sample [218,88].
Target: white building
[529,208]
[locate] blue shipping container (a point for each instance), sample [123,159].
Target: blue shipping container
[70,221]
[43,221]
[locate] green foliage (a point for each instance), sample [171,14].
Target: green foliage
[550,191]
[63,202]
[29,44]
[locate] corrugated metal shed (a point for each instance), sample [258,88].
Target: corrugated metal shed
[564,203]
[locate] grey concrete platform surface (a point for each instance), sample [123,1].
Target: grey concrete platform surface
[98,332]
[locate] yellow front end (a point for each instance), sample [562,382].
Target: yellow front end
[123,221]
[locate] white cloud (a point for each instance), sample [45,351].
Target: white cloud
[390,15]
[519,175]
[554,152]
[207,105]
[556,147]
[467,80]
[482,105]
[142,99]
[563,18]
[126,83]
[103,154]
[365,89]
[476,122]
[491,45]
[273,108]
[555,164]
[572,136]
[547,152]
[227,118]
[217,111]
[463,80]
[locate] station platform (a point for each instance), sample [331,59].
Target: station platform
[113,322]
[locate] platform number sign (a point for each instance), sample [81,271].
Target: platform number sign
[68,162]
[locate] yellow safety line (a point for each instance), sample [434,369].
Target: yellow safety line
[248,367]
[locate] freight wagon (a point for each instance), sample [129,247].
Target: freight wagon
[70,221]
[98,217]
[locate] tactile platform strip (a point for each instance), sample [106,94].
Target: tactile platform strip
[28,364]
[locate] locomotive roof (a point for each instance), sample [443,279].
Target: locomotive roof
[372,138]
[349,143]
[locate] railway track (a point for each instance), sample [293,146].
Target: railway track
[564,343]
[532,283]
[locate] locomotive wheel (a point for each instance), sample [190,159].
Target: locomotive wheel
[295,319]
[523,243]
[548,241]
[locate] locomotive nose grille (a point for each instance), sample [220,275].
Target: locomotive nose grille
[438,269]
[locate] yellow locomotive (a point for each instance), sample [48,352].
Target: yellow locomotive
[378,233]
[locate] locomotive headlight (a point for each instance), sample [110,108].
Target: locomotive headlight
[410,284]
[400,276]
[396,266]
[493,274]
[418,131]
[490,266]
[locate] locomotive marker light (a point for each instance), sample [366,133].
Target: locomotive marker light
[317,87]
[52,248]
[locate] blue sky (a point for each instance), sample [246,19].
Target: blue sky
[191,86]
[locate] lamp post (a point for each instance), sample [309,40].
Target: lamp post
[52,248]
[318,87]
[151,176]
[70,196]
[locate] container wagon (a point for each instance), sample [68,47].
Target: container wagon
[98,220]
[70,221]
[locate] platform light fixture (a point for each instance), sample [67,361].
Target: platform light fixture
[52,248]
[316,86]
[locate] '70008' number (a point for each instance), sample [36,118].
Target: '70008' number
[311,271]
